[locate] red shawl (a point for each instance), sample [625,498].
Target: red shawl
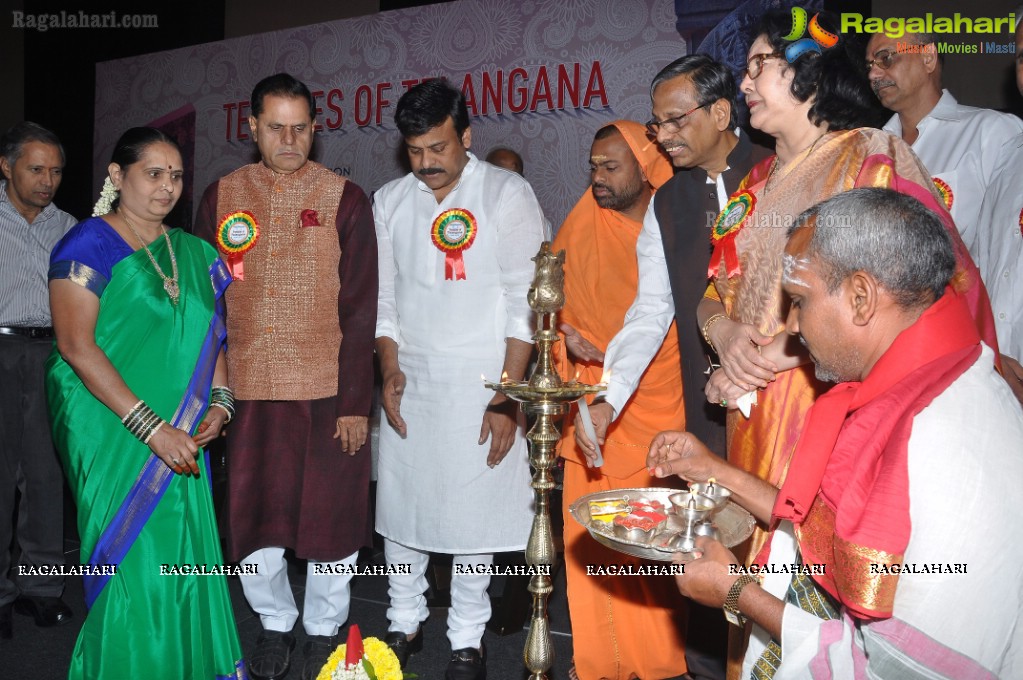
[847,489]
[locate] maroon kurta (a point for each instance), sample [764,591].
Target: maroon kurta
[289,484]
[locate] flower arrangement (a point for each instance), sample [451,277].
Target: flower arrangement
[371,659]
[106,198]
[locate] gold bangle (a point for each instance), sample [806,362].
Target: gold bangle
[131,412]
[150,434]
[714,318]
[225,409]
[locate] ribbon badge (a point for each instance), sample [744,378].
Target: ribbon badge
[819,39]
[236,235]
[454,231]
[947,197]
[729,222]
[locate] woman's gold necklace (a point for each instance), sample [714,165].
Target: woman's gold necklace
[170,283]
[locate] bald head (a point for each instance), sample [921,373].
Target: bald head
[505,158]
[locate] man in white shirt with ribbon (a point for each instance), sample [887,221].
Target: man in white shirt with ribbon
[958,144]
[1000,250]
[456,237]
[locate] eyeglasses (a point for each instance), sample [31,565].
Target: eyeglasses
[671,125]
[883,59]
[755,65]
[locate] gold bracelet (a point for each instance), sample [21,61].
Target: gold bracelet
[131,412]
[225,409]
[223,396]
[142,422]
[153,431]
[714,318]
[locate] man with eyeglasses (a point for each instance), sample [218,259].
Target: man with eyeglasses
[693,101]
[957,144]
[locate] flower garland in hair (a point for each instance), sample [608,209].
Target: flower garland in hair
[106,198]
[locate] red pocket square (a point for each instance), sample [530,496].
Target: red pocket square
[310,218]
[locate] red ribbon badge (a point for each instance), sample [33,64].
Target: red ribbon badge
[236,235]
[730,221]
[453,232]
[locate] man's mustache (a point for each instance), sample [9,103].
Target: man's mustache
[429,171]
[878,84]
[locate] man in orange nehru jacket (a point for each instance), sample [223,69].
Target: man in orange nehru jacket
[300,317]
[622,626]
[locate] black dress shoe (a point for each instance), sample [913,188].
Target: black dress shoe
[272,658]
[316,651]
[468,664]
[47,611]
[6,631]
[402,647]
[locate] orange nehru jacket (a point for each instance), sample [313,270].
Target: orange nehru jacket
[282,319]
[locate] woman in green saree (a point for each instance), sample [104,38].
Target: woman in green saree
[138,316]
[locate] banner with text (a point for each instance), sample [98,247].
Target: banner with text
[539,76]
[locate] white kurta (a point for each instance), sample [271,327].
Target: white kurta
[435,491]
[1000,251]
[960,145]
[648,319]
[965,465]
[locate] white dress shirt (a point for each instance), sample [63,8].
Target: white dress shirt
[648,319]
[1000,248]
[960,145]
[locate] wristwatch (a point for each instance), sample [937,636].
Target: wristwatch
[731,606]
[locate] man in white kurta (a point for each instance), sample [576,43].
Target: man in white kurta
[959,145]
[889,556]
[1000,248]
[455,238]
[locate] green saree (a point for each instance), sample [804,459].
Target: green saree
[133,512]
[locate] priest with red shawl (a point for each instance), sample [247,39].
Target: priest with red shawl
[622,626]
[891,553]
